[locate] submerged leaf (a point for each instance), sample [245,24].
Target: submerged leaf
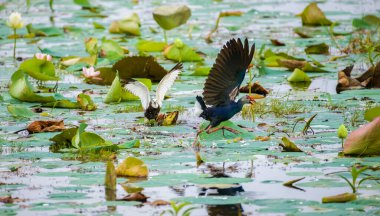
[364,140]
[312,15]
[132,167]
[340,198]
[298,76]
[171,16]
[289,146]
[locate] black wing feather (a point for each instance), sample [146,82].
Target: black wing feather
[226,73]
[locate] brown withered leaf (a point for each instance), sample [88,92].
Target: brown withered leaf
[10,199]
[256,88]
[139,197]
[46,126]
[277,42]
[369,79]
[159,203]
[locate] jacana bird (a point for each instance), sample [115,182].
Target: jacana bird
[223,83]
[152,106]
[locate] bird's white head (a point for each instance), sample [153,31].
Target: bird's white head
[154,103]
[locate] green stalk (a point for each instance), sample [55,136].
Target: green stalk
[165,37]
[14,44]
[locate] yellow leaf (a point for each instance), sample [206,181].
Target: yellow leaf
[132,167]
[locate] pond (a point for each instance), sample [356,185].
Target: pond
[232,174]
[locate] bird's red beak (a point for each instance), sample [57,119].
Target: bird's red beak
[251,99]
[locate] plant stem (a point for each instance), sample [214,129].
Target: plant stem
[342,143]
[14,44]
[165,37]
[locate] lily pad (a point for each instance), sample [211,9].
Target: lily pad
[299,76]
[20,111]
[171,16]
[132,167]
[39,69]
[312,15]
[181,53]
[150,46]
[21,89]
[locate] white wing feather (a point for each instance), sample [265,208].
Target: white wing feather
[166,82]
[141,91]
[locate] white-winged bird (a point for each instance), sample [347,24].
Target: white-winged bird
[152,106]
[223,83]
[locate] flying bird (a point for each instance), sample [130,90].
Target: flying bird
[152,106]
[223,83]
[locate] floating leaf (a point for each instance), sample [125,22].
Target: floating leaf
[312,15]
[111,50]
[85,102]
[128,25]
[39,69]
[76,138]
[367,22]
[21,89]
[289,146]
[201,71]
[91,45]
[20,111]
[171,16]
[67,104]
[129,144]
[298,76]
[372,113]
[364,140]
[46,126]
[150,46]
[182,53]
[65,138]
[321,48]
[44,32]
[132,167]
[340,198]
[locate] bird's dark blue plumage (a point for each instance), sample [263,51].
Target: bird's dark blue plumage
[223,82]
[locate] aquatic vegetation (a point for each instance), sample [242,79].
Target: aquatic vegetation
[355,182]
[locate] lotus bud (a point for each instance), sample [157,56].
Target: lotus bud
[342,131]
[15,20]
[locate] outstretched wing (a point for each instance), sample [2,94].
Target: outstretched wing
[227,73]
[167,82]
[140,90]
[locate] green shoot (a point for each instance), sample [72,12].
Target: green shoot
[355,174]
[179,209]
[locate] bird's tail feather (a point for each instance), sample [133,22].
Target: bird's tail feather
[201,102]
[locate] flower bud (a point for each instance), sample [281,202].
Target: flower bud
[342,131]
[15,20]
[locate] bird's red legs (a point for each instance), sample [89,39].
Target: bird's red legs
[222,128]
[210,130]
[195,143]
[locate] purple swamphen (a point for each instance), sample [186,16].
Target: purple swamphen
[223,83]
